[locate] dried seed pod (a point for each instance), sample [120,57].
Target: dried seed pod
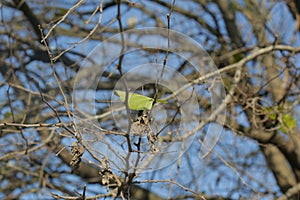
[141,127]
[77,152]
[106,176]
[152,139]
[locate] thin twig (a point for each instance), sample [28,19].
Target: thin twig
[62,19]
[31,125]
[172,182]
[14,120]
[121,73]
[30,150]
[74,132]
[167,52]
[87,36]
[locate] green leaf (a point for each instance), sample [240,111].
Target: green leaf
[7,115]
[289,122]
[137,101]
[270,112]
[238,57]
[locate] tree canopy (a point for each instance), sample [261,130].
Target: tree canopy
[210,89]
